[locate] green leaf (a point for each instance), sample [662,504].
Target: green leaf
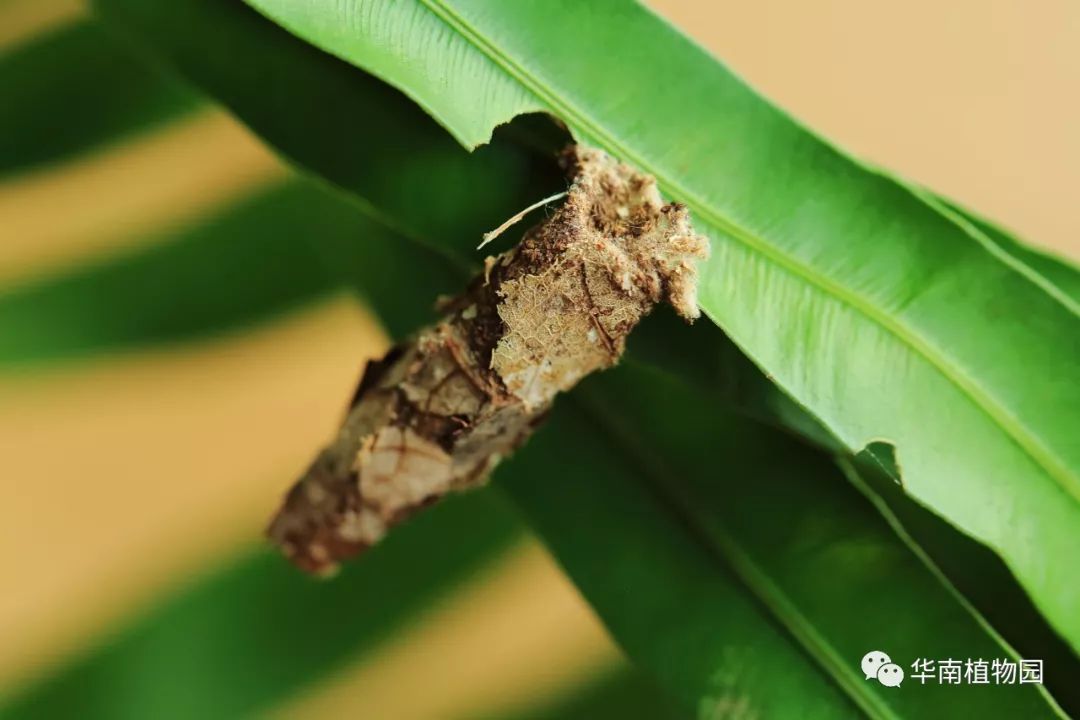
[74,89]
[715,366]
[252,635]
[674,607]
[814,556]
[248,263]
[262,257]
[619,695]
[722,374]
[1058,271]
[974,571]
[881,315]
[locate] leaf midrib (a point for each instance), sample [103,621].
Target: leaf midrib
[729,551]
[1006,421]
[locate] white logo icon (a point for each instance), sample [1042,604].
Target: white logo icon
[872,662]
[890,675]
[877,665]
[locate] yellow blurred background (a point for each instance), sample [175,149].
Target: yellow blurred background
[975,98]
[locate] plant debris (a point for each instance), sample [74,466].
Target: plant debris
[489,236]
[440,411]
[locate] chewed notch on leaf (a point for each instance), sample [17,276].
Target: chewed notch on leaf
[442,408]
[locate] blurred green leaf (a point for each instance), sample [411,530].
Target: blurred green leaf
[975,572]
[620,695]
[877,312]
[251,262]
[770,520]
[718,371]
[246,638]
[673,606]
[74,89]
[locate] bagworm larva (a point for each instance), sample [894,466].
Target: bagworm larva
[442,408]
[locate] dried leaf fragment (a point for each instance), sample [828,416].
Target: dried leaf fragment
[441,409]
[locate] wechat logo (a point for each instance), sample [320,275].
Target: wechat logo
[876,665]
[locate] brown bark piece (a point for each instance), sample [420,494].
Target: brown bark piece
[439,412]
